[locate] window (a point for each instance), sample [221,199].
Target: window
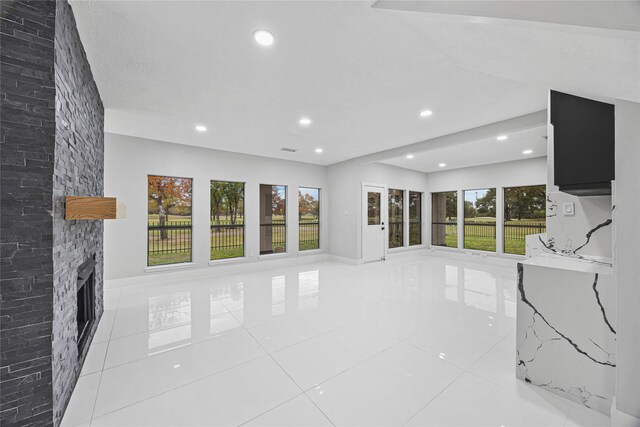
[373,208]
[444,219]
[480,219]
[415,218]
[226,217]
[524,214]
[168,220]
[396,218]
[273,219]
[308,218]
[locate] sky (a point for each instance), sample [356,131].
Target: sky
[311,191]
[470,195]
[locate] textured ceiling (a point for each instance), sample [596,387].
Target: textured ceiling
[361,74]
[481,152]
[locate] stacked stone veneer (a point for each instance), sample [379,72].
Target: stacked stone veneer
[78,171]
[27,129]
[51,137]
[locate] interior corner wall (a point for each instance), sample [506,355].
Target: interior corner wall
[27,132]
[78,171]
[626,250]
[345,218]
[128,162]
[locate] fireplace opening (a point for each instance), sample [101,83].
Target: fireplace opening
[86,302]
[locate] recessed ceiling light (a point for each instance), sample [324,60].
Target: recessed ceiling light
[264,37]
[201,128]
[426,113]
[409,156]
[527,152]
[305,121]
[319,150]
[502,138]
[441,165]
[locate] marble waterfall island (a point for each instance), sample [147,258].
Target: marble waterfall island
[566,336]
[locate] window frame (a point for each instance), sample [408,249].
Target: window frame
[457,222]
[285,224]
[190,227]
[496,224]
[504,220]
[420,206]
[244,223]
[319,222]
[402,215]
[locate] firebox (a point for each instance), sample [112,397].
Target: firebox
[86,302]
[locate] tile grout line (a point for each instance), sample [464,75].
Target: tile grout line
[269,410]
[464,371]
[95,401]
[167,351]
[287,374]
[166,391]
[242,326]
[434,398]
[180,386]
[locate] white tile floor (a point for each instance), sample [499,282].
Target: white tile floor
[420,340]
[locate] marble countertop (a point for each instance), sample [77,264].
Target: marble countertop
[568,263]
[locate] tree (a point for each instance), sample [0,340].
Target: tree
[216,196]
[486,204]
[277,201]
[234,195]
[524,202]
[469,210]
[168,192]
[307,205]
[451,204]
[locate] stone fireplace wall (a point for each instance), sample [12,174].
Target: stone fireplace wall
[27,139]
[78,171]
[51,136]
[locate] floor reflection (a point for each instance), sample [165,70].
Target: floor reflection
[328,295]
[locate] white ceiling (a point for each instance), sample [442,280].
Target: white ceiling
[361,74]
[481,152]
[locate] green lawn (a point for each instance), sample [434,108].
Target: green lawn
[154,219]
[482,238]
[224,243]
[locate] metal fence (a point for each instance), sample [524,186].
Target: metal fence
[520,230]
[480,229]
[309,234]
[169,243]
[227,240]
[276,230]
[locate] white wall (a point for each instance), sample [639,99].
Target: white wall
[508,174]
[626,252]
[128,161]
[345,216]
[498,176]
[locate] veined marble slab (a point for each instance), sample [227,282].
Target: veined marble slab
[535,244]
[585,235]
[566,337]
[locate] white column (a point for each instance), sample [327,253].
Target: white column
[500,220]
[460,219]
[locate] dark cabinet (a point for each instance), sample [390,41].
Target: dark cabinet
[583,144]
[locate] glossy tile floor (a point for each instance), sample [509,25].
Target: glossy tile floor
[419,340]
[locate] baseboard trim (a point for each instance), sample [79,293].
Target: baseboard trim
[345,260]
[622,419]
[202,272]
